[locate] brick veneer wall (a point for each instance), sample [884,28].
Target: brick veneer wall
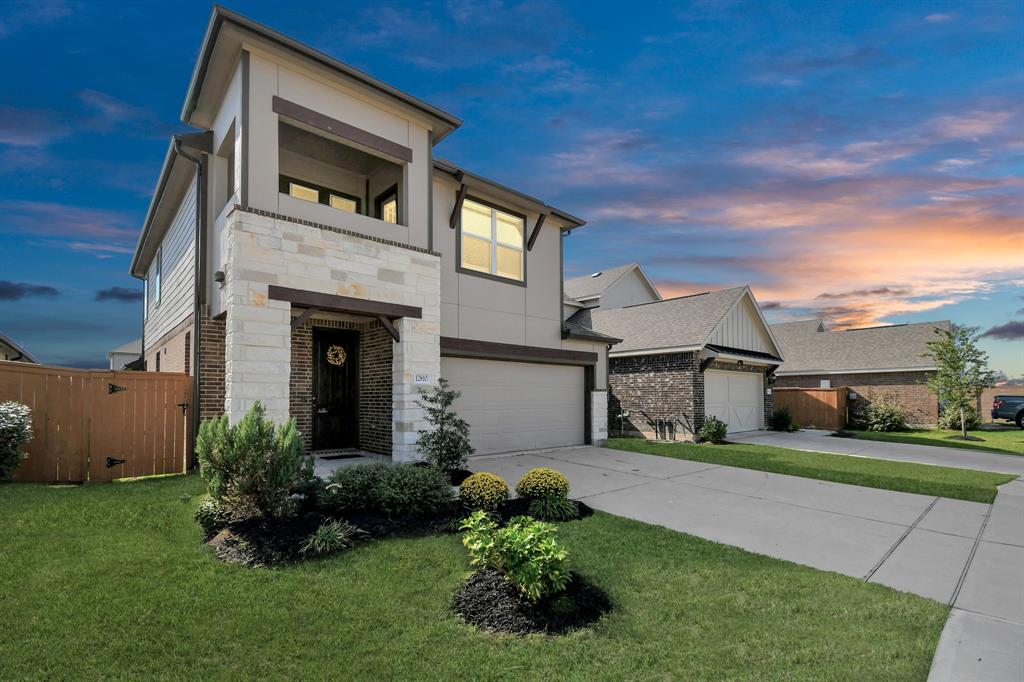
[907,388]
[211,367]
[652,388]
[375,382]
[174,349]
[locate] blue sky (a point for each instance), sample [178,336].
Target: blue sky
[862,162]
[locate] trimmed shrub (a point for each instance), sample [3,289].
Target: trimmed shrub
[251,467]
[713,430]
[525,550]
[394,491]
[212,518]
[782,420]
[883,414]
[331,537]
[554,509]
[483,491]
[15,432]
[446,445]
[543,482]
[949,420]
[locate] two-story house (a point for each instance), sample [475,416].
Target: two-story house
[306,249]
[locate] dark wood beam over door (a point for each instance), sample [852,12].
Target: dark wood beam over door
[342,304]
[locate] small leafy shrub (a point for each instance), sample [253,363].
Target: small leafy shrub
[394,491]
[251,467]
[554,509]
[331,537]
[713,430]
[15,432]
[525,550]
[211,517]
[543,482]
[883,414]
[483,491]
[446,445]
[782,420]
[949,420]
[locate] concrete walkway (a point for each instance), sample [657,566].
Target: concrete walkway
[930,546]
[820,441]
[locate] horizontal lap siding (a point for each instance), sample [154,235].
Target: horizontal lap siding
[178,276]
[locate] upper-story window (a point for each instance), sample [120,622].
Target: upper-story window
[153,282]
[492,240]
[308,191]
[386,205]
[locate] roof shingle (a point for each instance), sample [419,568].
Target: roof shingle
[808,350]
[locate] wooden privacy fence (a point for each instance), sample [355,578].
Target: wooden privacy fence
[822,408]
[95,425]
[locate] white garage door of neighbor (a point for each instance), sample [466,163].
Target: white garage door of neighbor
[736,398]
[516,405]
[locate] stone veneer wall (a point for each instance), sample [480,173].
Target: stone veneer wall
[906,388]
[262,249]
[211,367]
[654,387]
[375,382]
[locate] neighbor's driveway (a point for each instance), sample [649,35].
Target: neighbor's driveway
[914,543]
[821,441]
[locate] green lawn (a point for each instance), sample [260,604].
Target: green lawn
[960,484]
[110,581]
[1009,441]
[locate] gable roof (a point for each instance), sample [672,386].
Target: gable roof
[593,285]
[810,348]
[13,345]
[670,325]
[134,347]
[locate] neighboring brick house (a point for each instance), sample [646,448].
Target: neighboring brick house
[306,249]
[682,359]
[872,362]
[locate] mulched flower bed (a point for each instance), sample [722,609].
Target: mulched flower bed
[488,601]
[971,438]
[265,542]
[520,506]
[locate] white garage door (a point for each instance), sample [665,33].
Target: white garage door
[517,406]
[736,398]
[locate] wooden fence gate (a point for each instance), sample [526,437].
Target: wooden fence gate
[96,425]
[822,408]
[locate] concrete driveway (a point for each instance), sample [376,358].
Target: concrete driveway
[961,553]
[820,441]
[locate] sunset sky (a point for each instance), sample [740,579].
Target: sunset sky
[857,161]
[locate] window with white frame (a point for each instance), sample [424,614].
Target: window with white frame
[824,383]
[153,283]
[492,240]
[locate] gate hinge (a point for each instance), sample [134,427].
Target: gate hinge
[113,462]
[112,388]
[184,407]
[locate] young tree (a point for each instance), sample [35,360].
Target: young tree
[962,370]
[446,446]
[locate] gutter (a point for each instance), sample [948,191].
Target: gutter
[199,258]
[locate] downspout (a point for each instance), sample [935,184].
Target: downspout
[199,291]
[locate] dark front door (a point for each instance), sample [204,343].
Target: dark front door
[335,389]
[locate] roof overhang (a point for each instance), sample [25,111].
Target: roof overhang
[223,41]
[732,355]
[506,194]
[654,351]
[13,345]
[888,370]
[175,177]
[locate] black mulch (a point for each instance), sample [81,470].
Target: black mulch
[843,434]
[271,542]
[520,506]
[972,438]
[455,476]
[490,602]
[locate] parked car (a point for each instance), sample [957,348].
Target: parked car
[1009,407]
